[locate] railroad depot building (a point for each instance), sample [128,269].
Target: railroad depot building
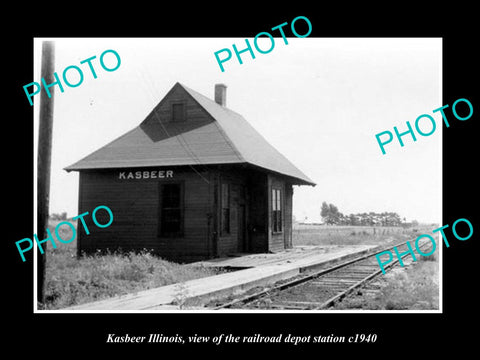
[193,181]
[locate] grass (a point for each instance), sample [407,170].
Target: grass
[413,288]
[72,281]
[320,235]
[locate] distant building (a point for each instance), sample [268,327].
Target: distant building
[193,181]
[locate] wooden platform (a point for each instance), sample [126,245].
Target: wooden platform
[259,270]
[298,253]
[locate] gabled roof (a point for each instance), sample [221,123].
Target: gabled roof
[221,137]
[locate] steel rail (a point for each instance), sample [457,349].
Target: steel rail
[297,281]
[332,300]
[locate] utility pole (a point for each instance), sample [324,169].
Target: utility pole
[44,161]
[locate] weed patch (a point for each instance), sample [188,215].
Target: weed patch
[72,281]
[324,235]
[415,288]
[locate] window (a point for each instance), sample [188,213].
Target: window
[171,210]
[276,210]
[225,209]
[178,112]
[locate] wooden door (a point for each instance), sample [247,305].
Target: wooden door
[241,238]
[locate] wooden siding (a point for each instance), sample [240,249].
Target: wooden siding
[257,226]
[136,210]
[136,207]
[288,217]
[177,95]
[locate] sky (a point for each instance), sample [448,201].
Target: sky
[319,101]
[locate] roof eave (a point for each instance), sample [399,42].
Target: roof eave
[293,179]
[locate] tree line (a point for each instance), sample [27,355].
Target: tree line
[332,216]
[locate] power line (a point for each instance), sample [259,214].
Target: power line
[181,140]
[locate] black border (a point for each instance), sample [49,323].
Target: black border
[66,334]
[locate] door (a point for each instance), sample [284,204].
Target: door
[242,246]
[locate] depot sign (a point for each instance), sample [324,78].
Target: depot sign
[152,174]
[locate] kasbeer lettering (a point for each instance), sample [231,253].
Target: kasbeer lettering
[151,174]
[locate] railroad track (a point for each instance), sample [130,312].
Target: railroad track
[316,290]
